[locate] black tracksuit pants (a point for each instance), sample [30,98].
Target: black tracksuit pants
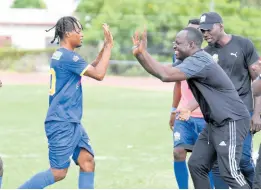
[224,144]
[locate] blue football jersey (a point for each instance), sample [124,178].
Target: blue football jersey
[65,95]
[174,58]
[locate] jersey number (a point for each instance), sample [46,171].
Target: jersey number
[53,82]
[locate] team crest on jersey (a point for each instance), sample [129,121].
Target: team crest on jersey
[215,57]
[57,55]
[75,58]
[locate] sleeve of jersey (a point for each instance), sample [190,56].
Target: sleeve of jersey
[77,65]
[192,68]
[251,55]
[177,62]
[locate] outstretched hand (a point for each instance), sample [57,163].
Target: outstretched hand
[139,46]
[108,38]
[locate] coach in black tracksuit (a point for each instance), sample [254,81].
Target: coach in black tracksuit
[235,54]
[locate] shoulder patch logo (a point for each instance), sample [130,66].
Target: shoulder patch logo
[57,55]
[215,57]
[75,58]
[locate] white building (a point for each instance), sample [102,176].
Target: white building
[25,28]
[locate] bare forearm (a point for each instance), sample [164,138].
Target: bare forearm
[257,105]
[163,72]
[176,95]
[103,64]
[149,64]
[98,58]
[256,87]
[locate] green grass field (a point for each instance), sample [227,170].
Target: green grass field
[128,129]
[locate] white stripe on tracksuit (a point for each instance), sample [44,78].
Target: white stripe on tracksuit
[232,155]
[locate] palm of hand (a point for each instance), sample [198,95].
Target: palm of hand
[108,38]
[139,46]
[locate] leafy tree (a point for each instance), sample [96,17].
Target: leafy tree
[163,19]
[39,4]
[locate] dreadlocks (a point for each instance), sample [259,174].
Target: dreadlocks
[63,25]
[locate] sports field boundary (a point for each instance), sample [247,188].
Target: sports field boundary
[143,83]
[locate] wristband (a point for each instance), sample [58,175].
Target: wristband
[173,109]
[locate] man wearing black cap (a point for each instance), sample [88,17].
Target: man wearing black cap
[235,54]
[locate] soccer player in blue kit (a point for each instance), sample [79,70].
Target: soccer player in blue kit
[66,136]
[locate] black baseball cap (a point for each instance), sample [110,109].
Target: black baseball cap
[207,20]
